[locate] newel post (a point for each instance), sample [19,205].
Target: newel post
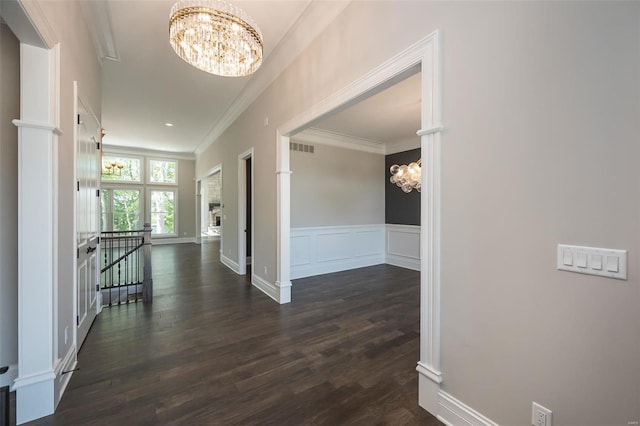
[147,283]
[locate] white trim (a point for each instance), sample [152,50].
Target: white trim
[97,14]
[160,240]
[39,22]
[316,17]
[283,218]
[396,258]
[266,287]
[426,54]
[230,264]
[326,249]
[141,152]
[9,377]
[68,364]
[453,412]
[429,131]
[39,126]
[325,137]
[33,379]
[242,209]
[428,372]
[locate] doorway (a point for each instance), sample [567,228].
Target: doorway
[210,205]
[245,211]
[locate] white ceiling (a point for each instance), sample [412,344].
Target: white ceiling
[150,85]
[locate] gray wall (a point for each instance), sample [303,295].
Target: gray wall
[187,198]
[9,110]
[541,106]
[336,186]
[401,208]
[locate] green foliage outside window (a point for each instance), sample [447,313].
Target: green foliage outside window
[162,171]
[120,209]
[163,212]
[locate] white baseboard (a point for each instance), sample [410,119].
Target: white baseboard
[170,240]
[266,287]
[230,264]
[403,262]
[7,378]
[68,363]
[453,412]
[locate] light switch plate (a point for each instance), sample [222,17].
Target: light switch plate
[599,261]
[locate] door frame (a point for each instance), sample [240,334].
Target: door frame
[426,54]
[200,208]
[242,211]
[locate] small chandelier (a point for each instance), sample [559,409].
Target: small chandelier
[407,177]
[216,37]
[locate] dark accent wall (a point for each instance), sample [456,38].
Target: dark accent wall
[401,208]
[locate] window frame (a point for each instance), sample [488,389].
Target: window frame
[167,160]
[164,188]
[128,187]
[141,160]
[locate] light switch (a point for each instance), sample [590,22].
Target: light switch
[596,262]
[581,260]
[604,262]
[612,264]
[567,258]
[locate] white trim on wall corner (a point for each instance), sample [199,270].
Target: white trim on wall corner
[230,263]
[453,412]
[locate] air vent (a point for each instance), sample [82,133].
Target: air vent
[294,146]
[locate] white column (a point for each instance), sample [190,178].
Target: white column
[37,146]
[283,215]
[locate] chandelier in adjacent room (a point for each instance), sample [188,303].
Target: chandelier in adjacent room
[216,37]
[407,177]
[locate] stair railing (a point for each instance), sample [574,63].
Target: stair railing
[126,274]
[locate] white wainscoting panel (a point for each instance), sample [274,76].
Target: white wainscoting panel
[403,246]
[326,249]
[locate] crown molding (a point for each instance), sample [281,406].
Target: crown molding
[97,14]
[325,137]
[313,20]
[116,149]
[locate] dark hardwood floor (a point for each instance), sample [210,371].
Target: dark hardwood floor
[213,350]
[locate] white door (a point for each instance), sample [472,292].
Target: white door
[87,225]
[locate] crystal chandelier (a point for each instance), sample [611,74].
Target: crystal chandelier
[407,177]
[216,37]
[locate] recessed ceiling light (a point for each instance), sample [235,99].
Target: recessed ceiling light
[168,124]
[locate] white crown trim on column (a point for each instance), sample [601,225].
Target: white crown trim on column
[40,126]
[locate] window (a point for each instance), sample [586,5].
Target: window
[121,209]
[121,168]
[163,212]
[163,171]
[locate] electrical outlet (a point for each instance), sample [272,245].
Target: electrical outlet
[540,416]
[265,271]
